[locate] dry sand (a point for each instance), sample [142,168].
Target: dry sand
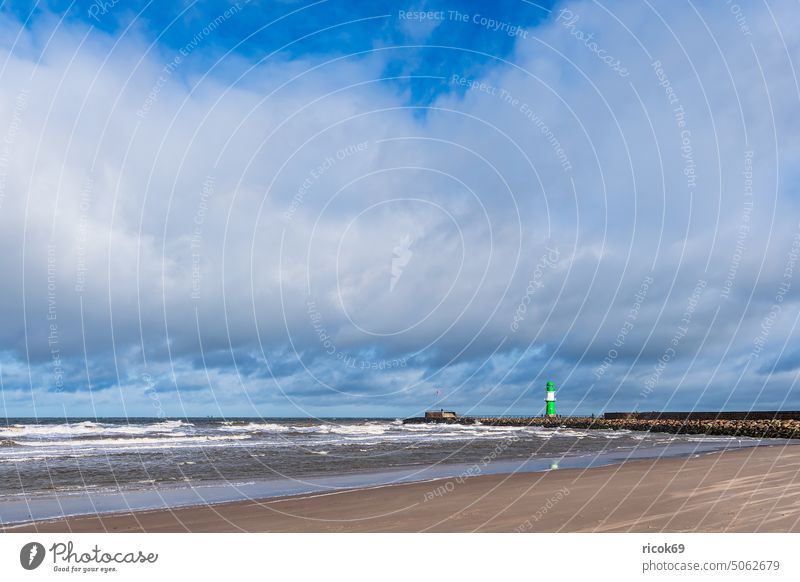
[747,490]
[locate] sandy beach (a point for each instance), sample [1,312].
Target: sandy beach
[747,490]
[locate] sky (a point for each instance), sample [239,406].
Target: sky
[372,209]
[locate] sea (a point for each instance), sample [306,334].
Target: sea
[51,468]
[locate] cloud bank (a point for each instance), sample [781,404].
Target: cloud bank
[608,200]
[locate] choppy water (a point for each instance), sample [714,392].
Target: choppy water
[56,458]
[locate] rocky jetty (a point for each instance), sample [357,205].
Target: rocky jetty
[757,428]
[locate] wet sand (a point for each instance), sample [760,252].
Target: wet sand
[746,490]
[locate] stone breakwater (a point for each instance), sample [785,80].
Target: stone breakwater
[761,428]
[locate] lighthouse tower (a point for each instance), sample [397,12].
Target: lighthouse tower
[550,400]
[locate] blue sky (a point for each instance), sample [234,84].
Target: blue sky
[311,29]
[330,208]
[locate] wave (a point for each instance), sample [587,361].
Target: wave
[343,429]
[717,437]
[37,457]
[135,441]
[253,427]
[90,428]
[119,438]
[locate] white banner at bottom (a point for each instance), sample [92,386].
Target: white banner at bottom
[356,557]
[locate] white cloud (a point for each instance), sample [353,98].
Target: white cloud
[479,183]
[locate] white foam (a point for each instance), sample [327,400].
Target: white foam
[254,427]
[134,441]
[115,439]
[88,428]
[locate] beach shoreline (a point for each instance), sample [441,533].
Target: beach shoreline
[54,469]
[746,490]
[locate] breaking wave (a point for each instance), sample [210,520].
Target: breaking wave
[90,428]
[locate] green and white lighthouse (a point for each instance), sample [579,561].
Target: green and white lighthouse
[550,400]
